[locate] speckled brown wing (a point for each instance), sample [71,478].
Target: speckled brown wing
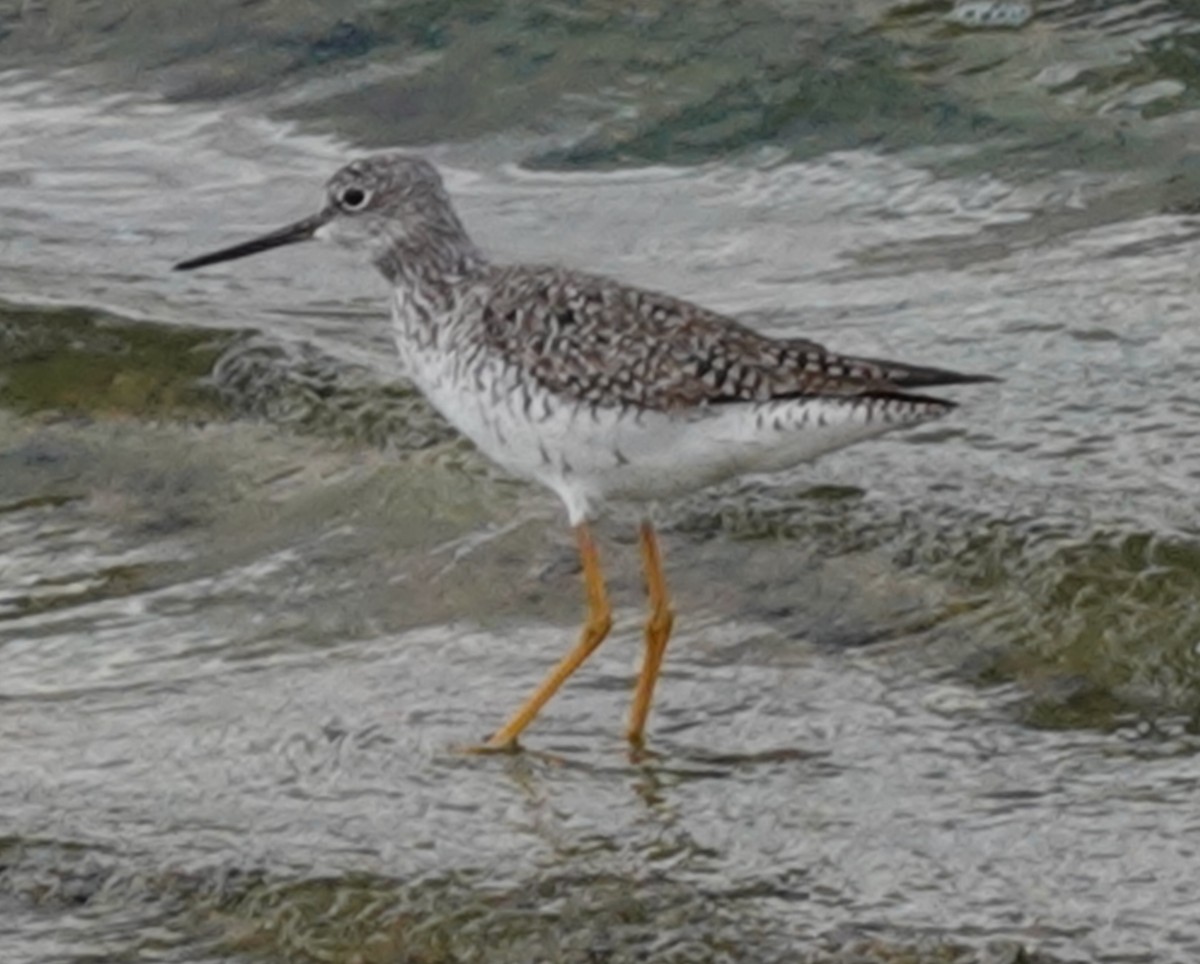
[604,343]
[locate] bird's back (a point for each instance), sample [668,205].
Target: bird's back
[598,341]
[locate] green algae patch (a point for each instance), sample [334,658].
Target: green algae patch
[640,85]
[567,918]
[298,387]
[612,84]
[78,361]
[451,918]
[1098,630]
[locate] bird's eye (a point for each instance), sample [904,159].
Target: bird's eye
[353,199]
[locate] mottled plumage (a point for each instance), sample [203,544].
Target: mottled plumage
[596,389]
[594,339]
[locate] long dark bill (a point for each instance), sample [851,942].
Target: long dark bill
[293,233]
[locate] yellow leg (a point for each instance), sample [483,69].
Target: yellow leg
[595,628]
[658,631]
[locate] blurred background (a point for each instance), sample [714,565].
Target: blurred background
[933,699]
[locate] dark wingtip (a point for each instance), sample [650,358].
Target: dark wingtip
[921,376]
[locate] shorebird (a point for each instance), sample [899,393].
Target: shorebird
[598,390]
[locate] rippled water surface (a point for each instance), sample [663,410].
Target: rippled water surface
[933,699]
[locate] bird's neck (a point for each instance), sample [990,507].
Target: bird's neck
[434,266]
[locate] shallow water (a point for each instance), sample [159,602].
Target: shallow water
[932,699]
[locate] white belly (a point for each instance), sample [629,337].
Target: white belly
[589,455]
[655,455]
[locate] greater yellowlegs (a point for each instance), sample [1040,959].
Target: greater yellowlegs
[596,389]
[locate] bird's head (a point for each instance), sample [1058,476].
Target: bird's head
[390,206]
